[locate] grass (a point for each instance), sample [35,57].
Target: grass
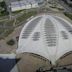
[61,9]
[3,14]
[9,23]
[53,6]
[16,12]
[25,16]
[69,15]
[1,31]
[70,5]
[7,32]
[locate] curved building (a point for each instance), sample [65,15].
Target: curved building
[46,35]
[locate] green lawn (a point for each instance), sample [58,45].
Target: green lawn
[9,23]
[16,12]
[69,15]
[5,32]
[1,31]
[61,9]
[25,16]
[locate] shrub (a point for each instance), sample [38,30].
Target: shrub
[69,15]
[11,42]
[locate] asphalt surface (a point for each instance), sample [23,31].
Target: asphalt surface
[66,6]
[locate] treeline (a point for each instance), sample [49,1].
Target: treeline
[3,9]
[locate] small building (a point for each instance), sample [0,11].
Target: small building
[23,4]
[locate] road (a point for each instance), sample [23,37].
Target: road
[66,7]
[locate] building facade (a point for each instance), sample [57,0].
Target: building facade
[23,4]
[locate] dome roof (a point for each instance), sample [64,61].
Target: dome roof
[46,35]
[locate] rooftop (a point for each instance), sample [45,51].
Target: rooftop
[46,35]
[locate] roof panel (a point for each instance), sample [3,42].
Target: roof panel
[36,36]
[50,33]
[65,24]
[30,28]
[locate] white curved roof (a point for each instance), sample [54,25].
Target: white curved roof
[46,35]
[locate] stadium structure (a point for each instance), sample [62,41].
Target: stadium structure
[48,36]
